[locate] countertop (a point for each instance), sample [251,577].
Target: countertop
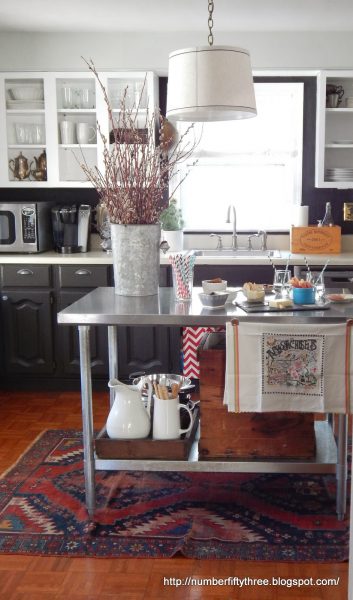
[98,257]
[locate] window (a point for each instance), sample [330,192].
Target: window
[254,164]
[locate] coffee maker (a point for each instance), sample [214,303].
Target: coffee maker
[71,226]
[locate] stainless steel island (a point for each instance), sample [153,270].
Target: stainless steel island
[103,307]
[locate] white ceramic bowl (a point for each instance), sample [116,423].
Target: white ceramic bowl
[211,286]
[27,93]
[214,299]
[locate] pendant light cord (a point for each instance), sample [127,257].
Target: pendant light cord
[210,22]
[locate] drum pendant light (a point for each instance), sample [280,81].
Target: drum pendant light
[210,83]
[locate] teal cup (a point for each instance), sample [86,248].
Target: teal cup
[304,295]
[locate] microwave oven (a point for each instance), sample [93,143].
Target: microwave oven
[25,226]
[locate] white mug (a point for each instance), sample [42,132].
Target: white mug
[67,131]
[166,419]
[85,133]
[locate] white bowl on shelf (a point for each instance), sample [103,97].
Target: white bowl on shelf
[27,93]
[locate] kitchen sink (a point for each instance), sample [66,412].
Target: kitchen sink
[241,253]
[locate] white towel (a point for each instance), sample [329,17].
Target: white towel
[281,367]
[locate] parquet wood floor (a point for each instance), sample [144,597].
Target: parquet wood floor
[23,416]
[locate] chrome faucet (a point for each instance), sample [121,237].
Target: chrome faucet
[263,236]
[234,234]
[219,240]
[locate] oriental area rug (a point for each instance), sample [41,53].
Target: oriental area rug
[273,517]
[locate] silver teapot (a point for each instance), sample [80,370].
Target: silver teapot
[40,172]
[19,167]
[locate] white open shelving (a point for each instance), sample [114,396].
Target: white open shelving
[74,97]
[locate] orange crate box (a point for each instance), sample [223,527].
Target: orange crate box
[315,240]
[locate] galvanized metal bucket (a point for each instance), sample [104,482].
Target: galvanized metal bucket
[135,250]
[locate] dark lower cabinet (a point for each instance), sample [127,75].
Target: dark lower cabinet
[67,342]
[46,354]
[27,332]
[33,344]
[148,349]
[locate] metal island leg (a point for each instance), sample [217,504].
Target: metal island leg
[342,467]
[87,417]
[112,357]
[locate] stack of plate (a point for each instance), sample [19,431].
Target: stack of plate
[349,102]
[339,174]
[25,104]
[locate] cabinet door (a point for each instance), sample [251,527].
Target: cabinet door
[148,349]
[27,329]
[67,346]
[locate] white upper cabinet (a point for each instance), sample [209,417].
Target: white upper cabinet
[50,123]
[334,130]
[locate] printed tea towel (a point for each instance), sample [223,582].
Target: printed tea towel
[281,367]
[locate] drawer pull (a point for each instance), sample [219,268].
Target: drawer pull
[25,272]
[83,272]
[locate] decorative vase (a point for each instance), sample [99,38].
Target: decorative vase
[175,239]
[135,250]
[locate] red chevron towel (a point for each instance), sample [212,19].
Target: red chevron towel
[192,337]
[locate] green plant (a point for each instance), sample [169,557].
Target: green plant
[171,217]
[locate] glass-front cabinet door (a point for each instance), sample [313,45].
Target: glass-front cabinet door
[50,123]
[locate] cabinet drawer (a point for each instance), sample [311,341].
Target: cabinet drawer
[25,275]
[83,276]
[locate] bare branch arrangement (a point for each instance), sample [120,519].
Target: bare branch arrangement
[140,162]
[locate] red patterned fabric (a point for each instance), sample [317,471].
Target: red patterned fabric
[192,337]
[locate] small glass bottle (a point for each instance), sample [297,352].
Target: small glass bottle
[328,221]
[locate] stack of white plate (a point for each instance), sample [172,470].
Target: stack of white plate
[25,104]
[349,102]
[339,174]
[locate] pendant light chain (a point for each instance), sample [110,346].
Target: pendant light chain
[210,21]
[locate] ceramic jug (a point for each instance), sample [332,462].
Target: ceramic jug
[128,418]
[166,419]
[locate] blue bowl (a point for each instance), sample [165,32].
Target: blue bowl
[304,295]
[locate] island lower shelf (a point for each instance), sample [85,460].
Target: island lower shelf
[324,461]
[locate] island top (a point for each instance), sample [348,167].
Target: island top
[103,307]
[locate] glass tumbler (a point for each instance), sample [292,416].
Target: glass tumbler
[317,279]
[68,97]
[281,283]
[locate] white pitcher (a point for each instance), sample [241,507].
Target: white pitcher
[128,418]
